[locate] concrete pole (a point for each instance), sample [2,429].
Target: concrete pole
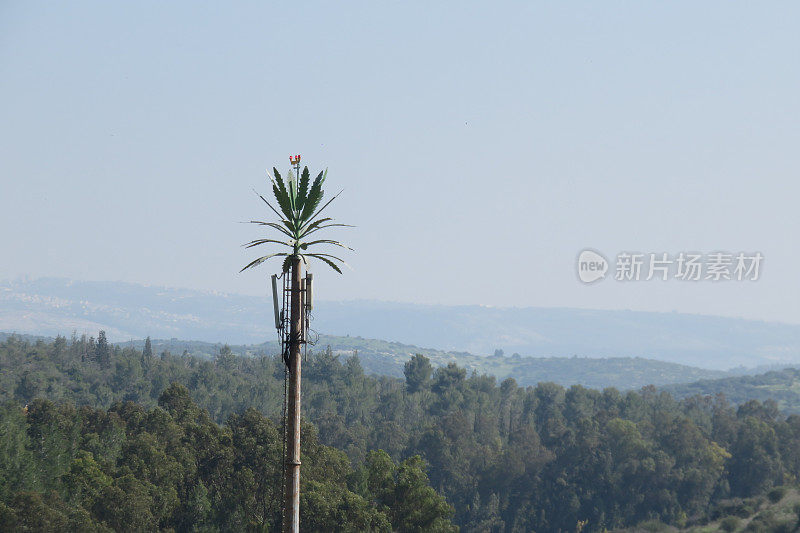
[291,518]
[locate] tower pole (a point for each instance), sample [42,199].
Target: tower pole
[291,519]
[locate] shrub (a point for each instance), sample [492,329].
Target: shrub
[729,523]
[777,494]
[652,526]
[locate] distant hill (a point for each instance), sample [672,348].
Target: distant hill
[129,311]
[388,358]
[782,385]
[625,373]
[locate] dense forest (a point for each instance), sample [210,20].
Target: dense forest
[172,467]
[506,458]
[782,386]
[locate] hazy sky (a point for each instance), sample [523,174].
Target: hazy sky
[480,146]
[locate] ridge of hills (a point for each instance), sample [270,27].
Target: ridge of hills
[51,306]
[381,357]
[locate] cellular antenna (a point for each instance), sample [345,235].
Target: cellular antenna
[309,291]
[275,301]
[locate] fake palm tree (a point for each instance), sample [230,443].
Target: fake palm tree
[299,214]
[299,219]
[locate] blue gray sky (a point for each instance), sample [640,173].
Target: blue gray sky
[480,146]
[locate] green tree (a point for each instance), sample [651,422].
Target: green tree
[755,465]
[327,507]
[127,505]
[85,480]
[225,358]
[28,386]
[16,460]
[54,432]
[418,372]
[31,512]
[102,351]
[403,491]
[147,353]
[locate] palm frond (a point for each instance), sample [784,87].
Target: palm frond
[278,180]
[327,261]
[309,232]
[328,255]
[314,197]
[283,200]
[321,209]
[292,186]
[298,210]
[260,260]
[289,225]
[307,227]
[266,202]
[302,193]
[305,245]
[273,225]
[258,242]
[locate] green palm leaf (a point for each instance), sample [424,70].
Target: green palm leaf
[292,191]
[314,196]
[298,217]
[273,225]
[290,226]
[282,193]
[262,259]
[303,192]
[283,200]
[327,261]
[321,209]
[258,242]
[278,179]
[308,232]
[305,245]
[305,229]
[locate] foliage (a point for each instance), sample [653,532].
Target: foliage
[299,214]
[402,491]
[418,372]
[172,468]
[389,358]
[730,523]
[500,456]
[781,386]
[779,512]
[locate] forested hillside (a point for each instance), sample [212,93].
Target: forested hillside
[388,359]
[782,386]
[507,458]
[173,468]
[128,310]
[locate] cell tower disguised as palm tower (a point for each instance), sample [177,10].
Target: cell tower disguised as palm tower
[299,217]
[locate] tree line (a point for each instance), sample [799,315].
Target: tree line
[506,458]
